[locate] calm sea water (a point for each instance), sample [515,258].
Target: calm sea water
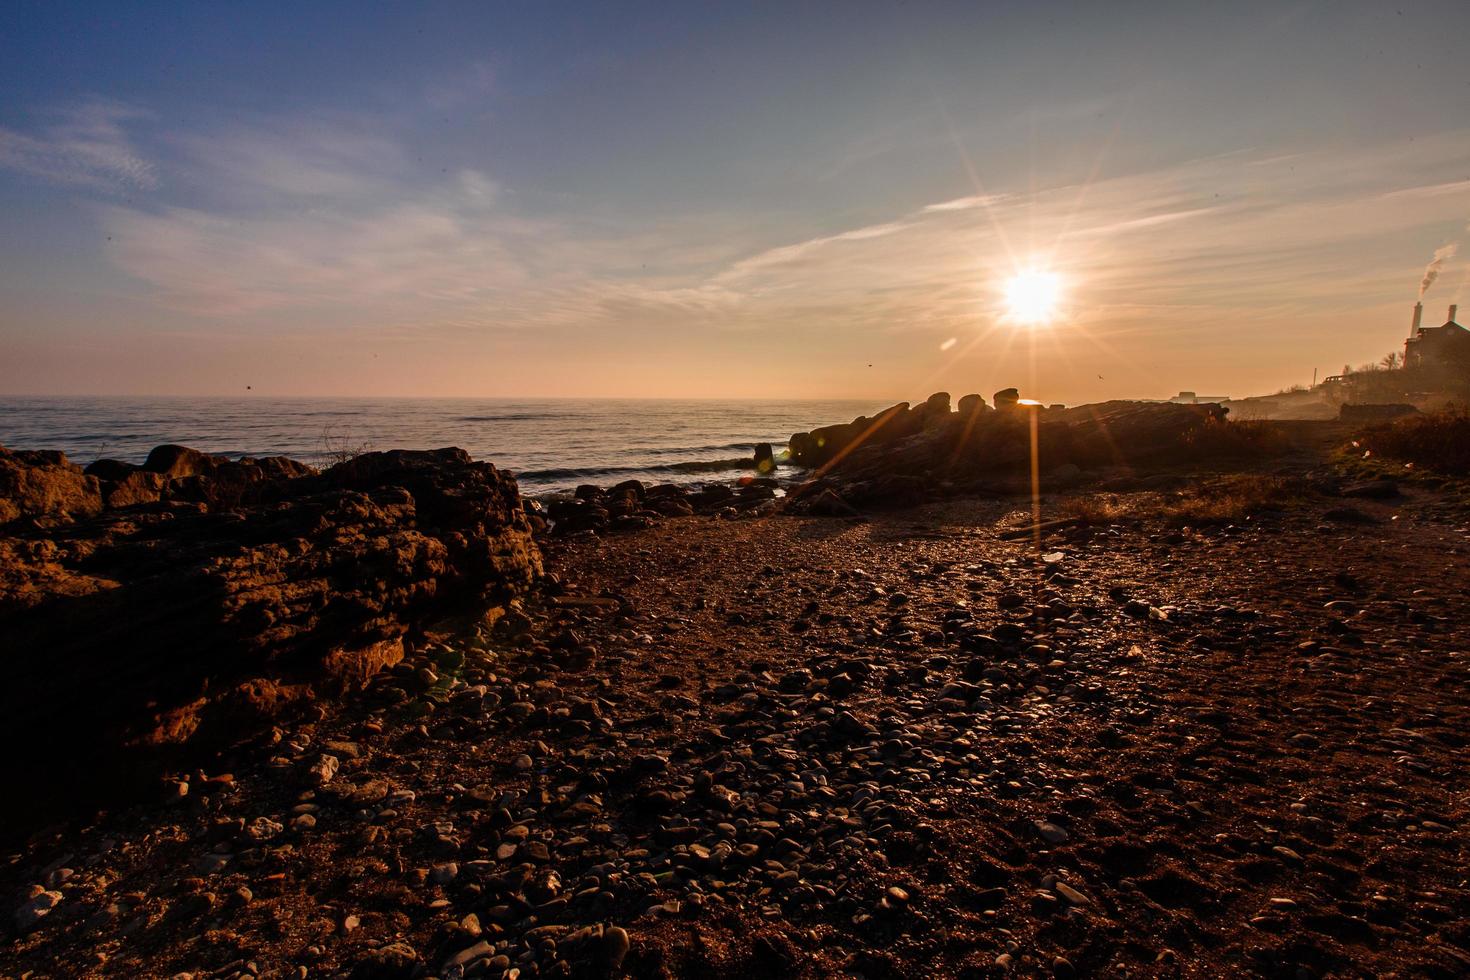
[549,444]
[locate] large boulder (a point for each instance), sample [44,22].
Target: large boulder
[137,487]
[176,462]
[936,407]
[45,485]
[765,459]
[110,469]
[971,406]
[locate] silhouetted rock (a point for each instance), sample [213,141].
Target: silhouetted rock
[765,458]
[900,461]
[176,462]
[110,469]
[936,406]
[972,405]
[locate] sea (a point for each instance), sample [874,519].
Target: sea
[551,445]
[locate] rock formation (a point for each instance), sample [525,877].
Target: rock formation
[44,485]
[184,603]
[903,455]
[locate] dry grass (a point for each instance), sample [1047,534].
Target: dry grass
[1233,498]
[1096,509]
[1439,441]
[1232,439]
[340,446]
[1226,500]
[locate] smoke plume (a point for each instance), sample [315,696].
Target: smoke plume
[1431,272]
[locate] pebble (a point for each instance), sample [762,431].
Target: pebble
[324,769]
[614,948]
[37,907]
[1071,894]
[1051,833]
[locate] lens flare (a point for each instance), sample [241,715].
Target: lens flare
[1032,296]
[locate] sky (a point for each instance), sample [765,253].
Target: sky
[764,200]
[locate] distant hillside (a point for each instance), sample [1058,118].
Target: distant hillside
[1424,389]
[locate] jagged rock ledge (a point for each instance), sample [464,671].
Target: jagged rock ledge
[151,612]
[905,455]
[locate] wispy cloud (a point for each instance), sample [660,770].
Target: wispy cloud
[84,146]
[328,219]
[439,248]
[1197,242]
[293,157]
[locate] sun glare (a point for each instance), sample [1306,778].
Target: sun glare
[1032,296]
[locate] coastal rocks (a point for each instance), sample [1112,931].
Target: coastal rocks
[765,458]
[971,406]
[176,462]
[183,626]
[907,455]
[182,475]
[631,505]
[936,408]
[45,485]
[133,489]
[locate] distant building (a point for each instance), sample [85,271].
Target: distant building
[1445,348]
[1190,398]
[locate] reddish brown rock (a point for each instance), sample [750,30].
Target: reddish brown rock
[137,487]
[176,462]
[171,628]
[45,485]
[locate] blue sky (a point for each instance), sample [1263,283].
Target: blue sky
[719,199]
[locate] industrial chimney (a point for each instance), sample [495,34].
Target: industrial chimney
[1453,308]
[1418,315]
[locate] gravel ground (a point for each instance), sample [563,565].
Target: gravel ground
[898,747]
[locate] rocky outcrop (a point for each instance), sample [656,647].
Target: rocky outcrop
[44,485]
[904,455]
[243,589]
[632,506]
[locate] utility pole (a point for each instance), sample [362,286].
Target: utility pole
[1314,377]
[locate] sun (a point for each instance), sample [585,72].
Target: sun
[1032,296]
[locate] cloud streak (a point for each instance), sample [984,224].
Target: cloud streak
[83,146]
[325,221]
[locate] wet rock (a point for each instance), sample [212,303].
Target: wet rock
[765,458]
